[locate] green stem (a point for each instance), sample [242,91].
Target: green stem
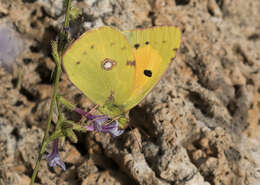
[46,134]
[55,90]
[66,23]
[66,103]
[75,126]
[64,34]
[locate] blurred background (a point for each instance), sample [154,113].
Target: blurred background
[200,125]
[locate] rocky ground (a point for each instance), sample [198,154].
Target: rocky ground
[200,125]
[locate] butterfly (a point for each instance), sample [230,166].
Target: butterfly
[117,69]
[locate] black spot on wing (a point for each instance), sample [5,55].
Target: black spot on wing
[136,46]
[175,49]
[164,41]
[147,42]
[78,62]
[148,73]
[92,46]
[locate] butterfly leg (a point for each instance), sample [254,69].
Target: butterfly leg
[100,123]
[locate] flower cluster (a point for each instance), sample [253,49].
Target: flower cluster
[100,123]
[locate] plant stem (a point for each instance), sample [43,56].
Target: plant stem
[66,22]
[55,90]
[46,133]
[64,33]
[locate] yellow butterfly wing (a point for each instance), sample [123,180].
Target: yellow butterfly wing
[153,49]
[98,64]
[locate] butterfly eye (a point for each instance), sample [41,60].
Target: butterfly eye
[148,73]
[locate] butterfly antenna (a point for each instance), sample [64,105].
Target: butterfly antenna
[112,119]
[94,108]
[103,116]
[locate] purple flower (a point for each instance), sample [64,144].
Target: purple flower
[54,158]
[99,123]
[110,128]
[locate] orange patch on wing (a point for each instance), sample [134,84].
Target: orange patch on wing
[146,59]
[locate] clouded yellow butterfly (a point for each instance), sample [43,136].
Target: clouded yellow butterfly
[117,69]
